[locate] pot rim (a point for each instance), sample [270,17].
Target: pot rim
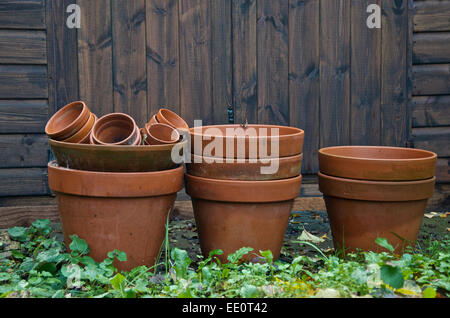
[183,124]
[114,184]
[116,147]
[124,141]
[83,113]
[147,131]
[82,134]
[296,131]
[247,161]
[432,155]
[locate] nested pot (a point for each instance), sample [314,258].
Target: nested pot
[82,136]
[160,134]
[168,117]
[124,211]
[362,211]
[116,129]
[234,214]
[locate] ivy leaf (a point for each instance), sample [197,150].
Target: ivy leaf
[392,276]
[384,243]
[42,225]
[18,233]
[78,245]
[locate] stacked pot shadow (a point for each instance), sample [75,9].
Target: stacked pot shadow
[235,204]
[375,192]
[115,193]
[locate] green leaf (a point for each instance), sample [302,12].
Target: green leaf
[5,277]
[78,245]
[118,282]
[182,261]
[249,291]
[392,276]
[236,256]
[42,225]
[429,292]
[18,233]
[384,243]
[267,255]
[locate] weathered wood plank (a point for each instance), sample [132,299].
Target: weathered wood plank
[431,79]
[431,48]
[25,215]
[443,170]
[30,181]
[27,201]
[431,111]
[21,151]
[335,73]
[195,61]
[432,16]
[163,76]
[95,56]
[436,139]
[441,198]
[304,90]
[365,77]
[23,47]
[394,91]
[273,61]
[23,81]
[22,14]
[129,59]
[23,116]
[62,47]
[244,61]
[222,68]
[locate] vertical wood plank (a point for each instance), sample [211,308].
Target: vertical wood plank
[365,76]
[129,59]
[394,125]
[221,60]
[95,56]
[62,53]
[273,64]
[163,77]
[244,61]
[195,61]
[335,73]
[304,90]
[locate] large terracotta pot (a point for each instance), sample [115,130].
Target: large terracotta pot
[124,211]
[67,121]
[290,141]
[361,211]
[377,163]
[235,169]
[235,214]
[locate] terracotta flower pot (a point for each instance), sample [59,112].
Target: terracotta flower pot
[207,167]
[153,120]
[113,158]
[67,121]
[235,214]
[121,211]
[115,129]
[170,118]
[361,211]
[161,134]
[83,134]
[377,163]
[290,141]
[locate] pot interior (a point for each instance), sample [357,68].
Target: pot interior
[163,133]
[173,118]
[380,153]
[66,117]
[115,131]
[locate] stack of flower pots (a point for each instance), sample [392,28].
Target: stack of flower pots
[235,204]
[375,192]
[115,193]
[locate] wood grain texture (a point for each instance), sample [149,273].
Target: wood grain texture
[23,116]
[335,73]
[163,64]
[129,59]
[22,14]
[27,201]
[432,16]
[431,111]
[95,56]
[394,94]
[62,48]
[244,61]
[21,151]
[436,139]
[26,215]
[222,67]
[431,79]
[443,170]
[30,181]
[23,47]
[365,77]
[304,89]
[23,81]
[273,61]
[195,61]
[431,48]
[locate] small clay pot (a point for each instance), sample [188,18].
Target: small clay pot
[362,211]
[170,118]
[68,121]
[249,142]
[115,129]
[161,134]
[235,214]
[248,170]
[153,120]
[377,163]
[111,211]
[83,134]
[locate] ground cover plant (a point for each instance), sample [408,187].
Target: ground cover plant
[37,264]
